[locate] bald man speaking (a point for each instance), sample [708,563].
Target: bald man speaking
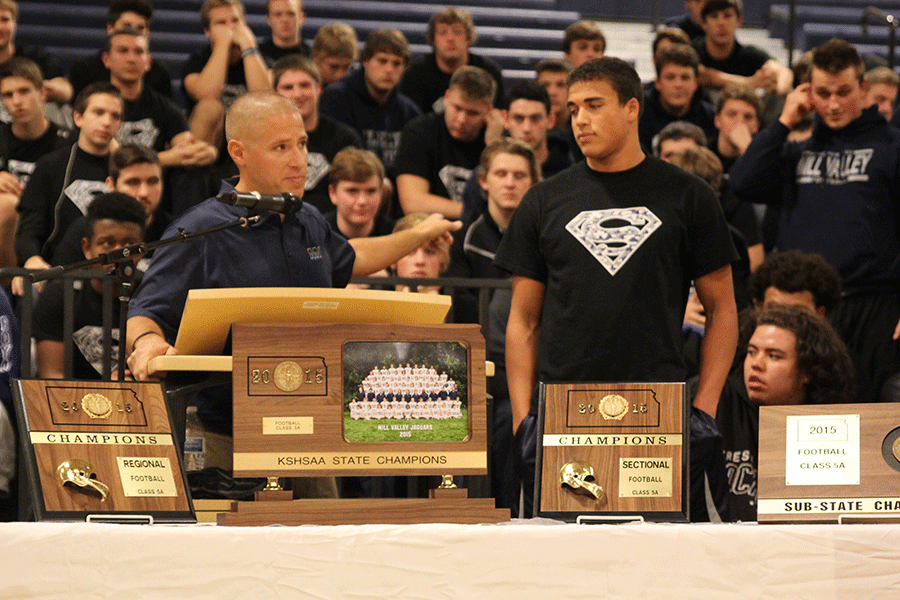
[267,142]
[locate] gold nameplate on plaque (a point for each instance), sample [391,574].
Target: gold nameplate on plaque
[626,441]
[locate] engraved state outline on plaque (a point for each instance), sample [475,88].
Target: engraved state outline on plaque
[79,393]
[605,424]
[277,361]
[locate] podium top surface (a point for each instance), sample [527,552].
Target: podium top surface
[209,313]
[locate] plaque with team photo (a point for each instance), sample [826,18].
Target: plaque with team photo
[101,451]
[612,452]
[358,399]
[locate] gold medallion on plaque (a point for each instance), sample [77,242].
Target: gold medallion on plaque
[613,406]
[288,376]
[97,406]
[895,448]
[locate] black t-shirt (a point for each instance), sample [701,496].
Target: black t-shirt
[151,120]
[272,52]
[383,225]
[329,138]
[427,150]
[743,60]
[90,69]
[18,156]
[87,336]
[424,82]
[617,253]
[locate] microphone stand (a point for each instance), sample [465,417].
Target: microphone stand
[125,261]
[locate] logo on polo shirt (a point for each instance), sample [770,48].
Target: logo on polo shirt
[612,236]
[315,252]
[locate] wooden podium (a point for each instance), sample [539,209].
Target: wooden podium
[298,366]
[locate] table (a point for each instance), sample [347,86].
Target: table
[536,559]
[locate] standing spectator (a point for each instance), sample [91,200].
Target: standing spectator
[839,191]
[451,32]
[738,119]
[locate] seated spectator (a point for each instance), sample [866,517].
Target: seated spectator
[796,278]
[793,356]
[552,73]
[56,87]
[334,50]
[152,120]
[674,97]
[297,78]
[64,181]
[675,137]
[526,117]
[665,38]
[508,169]
[231,64]
[368,99]
[114,220]
[438,151]
[882,91]
[428,261]
[133,170]
[355,186]
[122,13]
[738,118]
[691,23]
[285,18]
[582,42]
[9,370]
[727,62]
[28,137]
[451,32]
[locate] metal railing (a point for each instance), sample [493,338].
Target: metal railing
[890,21]
[482,287]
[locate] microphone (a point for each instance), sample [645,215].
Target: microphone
[257,203]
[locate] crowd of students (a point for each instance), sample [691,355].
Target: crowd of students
[803,163]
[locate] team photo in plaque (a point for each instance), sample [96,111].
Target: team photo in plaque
[405,391]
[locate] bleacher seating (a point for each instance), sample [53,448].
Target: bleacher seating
[817,21]
[514,33]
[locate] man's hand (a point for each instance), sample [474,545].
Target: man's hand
[189,152]
[9,184]
[148,347]
[221,34]
[797,105]
[243,37]
[738,138]
[494,126]
[438,230]
[765,78]
[693,312]
[18,284]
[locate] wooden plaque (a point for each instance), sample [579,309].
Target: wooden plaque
[629,439]
[829,463]
[98,450]
[295,386]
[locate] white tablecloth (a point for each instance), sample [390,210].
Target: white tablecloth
[517,561]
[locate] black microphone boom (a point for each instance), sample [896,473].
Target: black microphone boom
[257,203]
